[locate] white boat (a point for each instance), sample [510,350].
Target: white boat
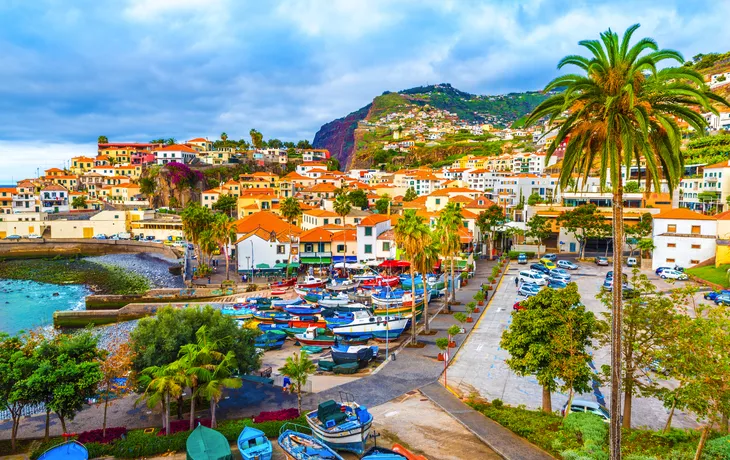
[342,426]
[397,297]
[338,300]
[363,322]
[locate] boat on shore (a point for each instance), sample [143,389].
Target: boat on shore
[254,445]
[303,310]
[72,450]
[360,354]
[272,316]
[350,307]
[381,281]
[299,446]
[311,337]
[342,426]
[395,297]
[311,282]
[284,283]
[364,322]
[271,340]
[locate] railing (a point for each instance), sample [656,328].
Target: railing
[315,254]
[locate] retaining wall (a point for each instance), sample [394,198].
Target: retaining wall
[46,247]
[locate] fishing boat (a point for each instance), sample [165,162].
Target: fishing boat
[286,303]
[307,321]
[347,368]
[312,282]
[342,426]
[237,312]
[360,354]
[300,446]
[303,310]
[270,340]
[272,316]
[333,300]
[254,445]
[393,297]
[312,349]
[284,283]
[345,285]
[271,326]
[364,322]
[293,331]
[350,307]
[72,450]
[397,310]
[355,339]
[381,281]
[310,337]
[381,453]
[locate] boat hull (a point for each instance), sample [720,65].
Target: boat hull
[377,329]
[348,440]
[318,341]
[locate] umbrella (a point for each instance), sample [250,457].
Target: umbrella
[262,266]
[395,264]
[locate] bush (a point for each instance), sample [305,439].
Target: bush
[513,254]
[442,343]
[277,415]
[112,434]
[718,448]
[454,329]
[460,317]
[497,403]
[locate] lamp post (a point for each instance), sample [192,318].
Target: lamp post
[252,262]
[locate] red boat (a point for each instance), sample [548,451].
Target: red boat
[284,283]
[312,282]
[391,281]
[300,323]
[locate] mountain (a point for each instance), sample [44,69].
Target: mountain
[346,136]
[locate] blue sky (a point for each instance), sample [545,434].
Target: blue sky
[140,69]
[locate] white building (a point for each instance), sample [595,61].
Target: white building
[368,231]
[718,122]
[261,247]
[54,198]
[175,153]
[683,237]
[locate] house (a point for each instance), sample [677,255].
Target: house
[318,218]
[260,246]
[67,181]
[252,201]
[315,155]
[132,171]
[683,237]
[713,184]
[6,199]
[345,242]
[124,192]
[54,198]
[316,247]
[25,198]
[81,164]
[200,144]
[368,231]
[175,153]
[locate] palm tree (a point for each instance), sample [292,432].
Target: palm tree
[208,243]
[412,235]
[424,261]
[621,110]
[298,368]
[103,140]
[195,220]
[448,224]
[161,383]
[224,138]
[291,211]
[216,380]
[342,207]
[224,230]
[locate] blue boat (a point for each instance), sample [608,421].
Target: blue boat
[303,310]
[342,426]
[270,340]
[381,453]
[72,450]
[340,318]
[238,312]
[254,445]
[272,316]
[286,303]
[360,354]
[272,326]
[300,446]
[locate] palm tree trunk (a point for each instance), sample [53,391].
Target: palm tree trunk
[453,281]
[106,405]
[618,226]
[212,413]
[299,396]
[167,413]
[413,307]
[228,262]
[427,329]
[669,420]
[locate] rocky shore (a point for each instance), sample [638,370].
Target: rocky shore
[154,267]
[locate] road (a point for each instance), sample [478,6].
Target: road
[480,366]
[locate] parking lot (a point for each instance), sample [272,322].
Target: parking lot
[480,365]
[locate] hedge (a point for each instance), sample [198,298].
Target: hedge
[513,254]
[137,444]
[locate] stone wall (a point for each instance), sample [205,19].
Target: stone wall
[82,247]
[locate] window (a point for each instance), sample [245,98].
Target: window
[308,247]
[671,245]
[695,229]
[340,248]
[368,249]
[696,246]
[694,262]
[326,221]
[386,245]
[280,249]
[368,231]
[438,200]
[670,261]
[672,228]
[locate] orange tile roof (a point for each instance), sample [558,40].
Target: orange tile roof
[54,187]
[296,176]
[198,139]
[176,148]
[266,220]
[722,164]
[682,214]
[321,213]
[346,235]
[723,215]
[373,219]
[316,234]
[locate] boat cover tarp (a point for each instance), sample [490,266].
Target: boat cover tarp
[207,444]
[67,451]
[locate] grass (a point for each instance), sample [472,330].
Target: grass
[715,275]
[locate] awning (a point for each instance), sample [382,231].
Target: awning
[348,259]
[282,266]
[437,265]
[394,264]
[262,266]
[461,264]
[349,266]
[316,260]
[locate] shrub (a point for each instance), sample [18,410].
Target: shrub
[479,296]
[497,403]
[718,448]
[460,317]
[112,434]
[277,415]
[442,343]
[470,307]
[513,254]
[454,329]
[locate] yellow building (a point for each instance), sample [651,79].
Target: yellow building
[260,180]
[253,201]
[6,200]
[117,155]
[80,165]
[68,181]
[124,192]
[132,171]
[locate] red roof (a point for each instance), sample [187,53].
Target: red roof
[176,148]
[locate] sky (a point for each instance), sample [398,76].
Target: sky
[135,70]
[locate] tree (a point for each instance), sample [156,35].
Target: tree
[196,219]
[534,199]
[382,204]
[549,339]
[256,139]
[305,145]
[447,235]
[115,369]
[424,260]
[342,207]
[78,202]
[171,141]
[224,232]
[583,222]
[410,194]
[161,383]
[621,110]
[291,211]
[17,364]
[488,222]
[298,368]
[333,164]
[102,140]
[635,233]
[411,235]
[275,143]
[224,138]
[214,381]
[539,229]
[226,203]
[358,198]
[647,320]
[632,187]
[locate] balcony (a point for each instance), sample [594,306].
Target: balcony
[315,255]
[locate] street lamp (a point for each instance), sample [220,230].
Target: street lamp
[252,262]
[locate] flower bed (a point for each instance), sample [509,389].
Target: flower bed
[112,434]
[277,415]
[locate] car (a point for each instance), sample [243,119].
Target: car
[568,265]
[531,277]
[124,236]
[673,275]
[522,258]
[580,405]
[550,257]
[609,275]
[12,237]
[712,295]
[540,268]
[631,262]
[149,238]
[722,299]
[547,263]
[557,284]
[99,236]
[659,270]
[658,367]
[518,306]
[528,289]
[33,236]
[114,237]
[602,261]
[560,274]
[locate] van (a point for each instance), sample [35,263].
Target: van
[631,261]
[529,276]
[124,236]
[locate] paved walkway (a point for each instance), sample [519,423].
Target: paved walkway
[498,438]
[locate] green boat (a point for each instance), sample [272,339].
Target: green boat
[311,349]
[326,365]
[347,368]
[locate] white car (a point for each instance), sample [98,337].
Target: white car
[579,405]
[673,275]
[33,236]
[567,264]
[533,277]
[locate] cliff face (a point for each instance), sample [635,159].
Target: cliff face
[338,136]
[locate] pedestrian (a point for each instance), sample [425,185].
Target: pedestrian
[517,281]
[208,279]
[286,384]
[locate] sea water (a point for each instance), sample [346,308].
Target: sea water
[26,305]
